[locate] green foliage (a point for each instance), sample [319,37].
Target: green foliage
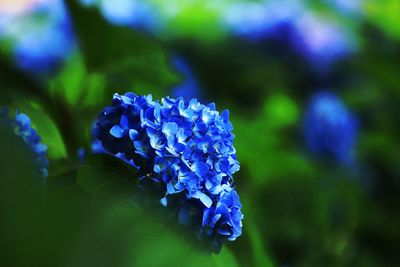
[70,81]
[299,210]
[128,60]
[225,258]
[280,111]
[82,225]
[103,174]
[385,14]
[46,128]
[267,135]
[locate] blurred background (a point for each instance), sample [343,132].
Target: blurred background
[313,88]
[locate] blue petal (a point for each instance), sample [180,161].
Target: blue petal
[212,106]
[124,122]
[200,168]
[40,148]
[223,165]
[225,115]
[206,200]
[157,114]
[216,217]
[117,131]
[182,135]
[141,148]
[133,134]
[170,188]
[156,142]
[207,216]
[223,231]
[200,127]
[172,151]
[164,201]
[23,119]
[126,99]
[179,147]
[169,128]
[131,95]
[208,116]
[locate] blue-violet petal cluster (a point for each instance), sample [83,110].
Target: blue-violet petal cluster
[21,126]
[183,145]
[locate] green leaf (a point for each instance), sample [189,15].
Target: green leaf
[225,258]
[45,127]
[280,111]
[385,14]
[148,234]
[129,60]
[107,175]
[70,81]
[15,84]
[260,257]
[269,138]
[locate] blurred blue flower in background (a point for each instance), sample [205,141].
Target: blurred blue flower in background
[351,7]
[183,145]
[21,126]
[317,39]
[322,41]
[137,14]
[260,20]
[330,128]
[40,34]
[189,87]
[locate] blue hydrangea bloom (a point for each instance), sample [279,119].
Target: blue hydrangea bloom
[224,220]
[183,145]
[330,128]
[21,125]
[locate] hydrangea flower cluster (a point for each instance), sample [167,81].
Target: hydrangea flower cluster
[330,128]
[21,125]
[185,146]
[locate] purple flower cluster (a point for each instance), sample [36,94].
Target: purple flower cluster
[185,146]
